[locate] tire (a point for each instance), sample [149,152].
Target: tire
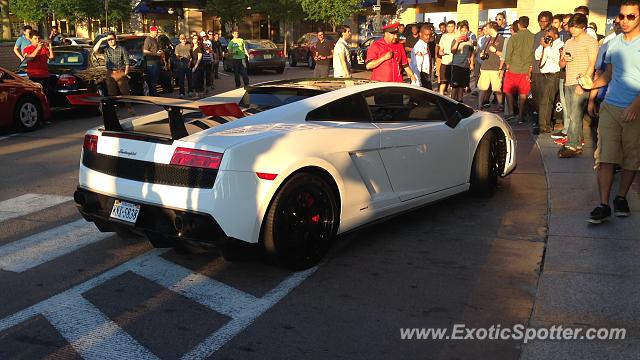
[301,222]
[292,61]
[27,114]
[280,70]
[486,166]
[310,61]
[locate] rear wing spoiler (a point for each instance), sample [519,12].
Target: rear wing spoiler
[172,106]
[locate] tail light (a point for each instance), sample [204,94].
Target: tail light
[66,80]
[90,143]
[252,53]
[280,53]
[196,158]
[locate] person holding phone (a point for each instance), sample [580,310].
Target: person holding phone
[462,62]
[578,57]
[37,56]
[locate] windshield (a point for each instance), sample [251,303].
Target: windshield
[261,44]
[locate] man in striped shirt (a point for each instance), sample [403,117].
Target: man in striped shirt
[579,58]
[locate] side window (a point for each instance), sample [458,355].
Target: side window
[352,109]
[401,105]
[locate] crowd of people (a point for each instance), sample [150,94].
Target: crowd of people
[566,60]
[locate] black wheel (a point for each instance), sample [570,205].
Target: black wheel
[280,70]
[301,222]
[27,114]
[292,61]
[310,61]
[486,166]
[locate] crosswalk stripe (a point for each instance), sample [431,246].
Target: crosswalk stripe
[240,321]
[59,300]
[27,204]
[92,334]
[37,249]
[204,290]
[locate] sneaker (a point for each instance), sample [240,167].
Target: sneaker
[620,207]
[601,213]
[568,152]
[521,120]
[561,141]
[486,105]
[558,135]
[498,110]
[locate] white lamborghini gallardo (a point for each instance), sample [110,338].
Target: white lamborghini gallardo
[287,165]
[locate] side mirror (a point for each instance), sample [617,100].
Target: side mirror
[454,120]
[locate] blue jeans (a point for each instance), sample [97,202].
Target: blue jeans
[576,105]
[182,72]
[239,69]
[153,73]
[565,112]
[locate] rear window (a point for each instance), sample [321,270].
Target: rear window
[67,58]
[265,44]
[132,44]
[266,98]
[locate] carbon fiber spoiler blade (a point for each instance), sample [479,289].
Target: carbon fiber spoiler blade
[172,106]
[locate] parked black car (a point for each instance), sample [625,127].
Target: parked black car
[359,54]
[77,72]
[133,44]
[304,49]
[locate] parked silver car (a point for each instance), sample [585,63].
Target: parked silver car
[263,55]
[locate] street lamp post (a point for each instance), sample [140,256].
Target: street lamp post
[106,15]
[378,19]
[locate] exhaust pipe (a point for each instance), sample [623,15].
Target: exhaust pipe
[178,224]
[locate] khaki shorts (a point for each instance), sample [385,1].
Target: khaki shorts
[489,77]
[618,141]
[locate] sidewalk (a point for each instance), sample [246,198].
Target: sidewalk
[590,273]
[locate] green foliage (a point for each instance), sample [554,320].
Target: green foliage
[286,10]
[330,11]
[232,11]
[72,10]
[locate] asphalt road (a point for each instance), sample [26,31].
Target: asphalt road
[68,291]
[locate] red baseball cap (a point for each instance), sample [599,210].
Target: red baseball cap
[153,28]
[391,28]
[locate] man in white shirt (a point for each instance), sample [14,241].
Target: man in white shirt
[421,60]
[547,55]
[341,59]
[444,49]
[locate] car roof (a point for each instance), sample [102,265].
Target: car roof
[71,47]
[326,84]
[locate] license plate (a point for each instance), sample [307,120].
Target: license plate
[267,56]
[125,211]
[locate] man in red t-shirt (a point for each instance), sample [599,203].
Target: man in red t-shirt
[37,55]
[386,56]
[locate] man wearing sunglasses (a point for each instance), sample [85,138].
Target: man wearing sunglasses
[116,59]
[619,126]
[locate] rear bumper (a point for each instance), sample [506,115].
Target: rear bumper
[165,227]
[266,64]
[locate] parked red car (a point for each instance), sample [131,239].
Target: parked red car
[23,101]
[304,49]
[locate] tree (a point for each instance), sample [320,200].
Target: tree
[29,10]
[231,11]
[330,11]
[4,19]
